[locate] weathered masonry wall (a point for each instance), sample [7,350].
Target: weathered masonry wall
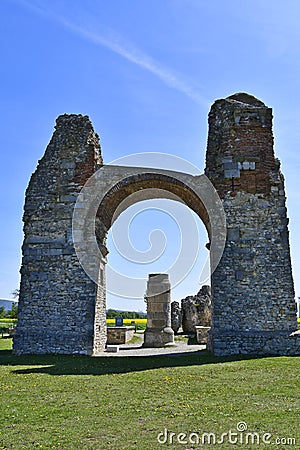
[61,310]
[253,292]
[57,299]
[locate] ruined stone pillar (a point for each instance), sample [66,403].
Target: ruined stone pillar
[158,332]
[61,310]
[252,287]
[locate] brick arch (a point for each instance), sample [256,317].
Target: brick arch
[151,185]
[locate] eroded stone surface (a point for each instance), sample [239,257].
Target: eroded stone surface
[176,316]
[158,332]
[253,292]
[119,335]
[196,310]
[60,309]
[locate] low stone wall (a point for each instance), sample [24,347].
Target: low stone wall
[254,342]
[119,335]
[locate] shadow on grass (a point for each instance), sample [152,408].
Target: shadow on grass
[84,365]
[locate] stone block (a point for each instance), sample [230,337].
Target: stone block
[233,234]
[112,348]
[202,334]
[120,335]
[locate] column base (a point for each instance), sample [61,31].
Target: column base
[158,337]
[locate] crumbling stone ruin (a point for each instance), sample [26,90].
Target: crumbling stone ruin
[196,310]
[62,305]
[158,332]
[175,316]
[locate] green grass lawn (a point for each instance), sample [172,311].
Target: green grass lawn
[136,340]
[65,402]
[5,344]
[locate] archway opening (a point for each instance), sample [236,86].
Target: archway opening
[147,238]
[153,224]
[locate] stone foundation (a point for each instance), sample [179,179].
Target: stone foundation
[257,343]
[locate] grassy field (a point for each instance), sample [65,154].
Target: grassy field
[127,321]
[64,402]
[6,323]
[139,323]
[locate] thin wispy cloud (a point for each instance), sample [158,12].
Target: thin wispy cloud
[120,46]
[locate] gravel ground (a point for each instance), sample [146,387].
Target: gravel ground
[137,350]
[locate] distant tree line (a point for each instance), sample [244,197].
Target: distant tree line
[12,314]
[112,313]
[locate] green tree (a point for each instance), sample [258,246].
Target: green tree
[13,313]
[2,312]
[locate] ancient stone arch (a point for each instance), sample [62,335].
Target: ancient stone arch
[62,306]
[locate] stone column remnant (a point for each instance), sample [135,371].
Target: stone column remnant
[158,332]
[176,316]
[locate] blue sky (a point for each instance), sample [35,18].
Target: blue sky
[146,72]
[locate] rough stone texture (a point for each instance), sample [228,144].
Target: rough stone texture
[202,334]
[119,335]
[240,135]
[158,332]
[175,316]
[252,288]
[196,310]
[253,308]
[60,308]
